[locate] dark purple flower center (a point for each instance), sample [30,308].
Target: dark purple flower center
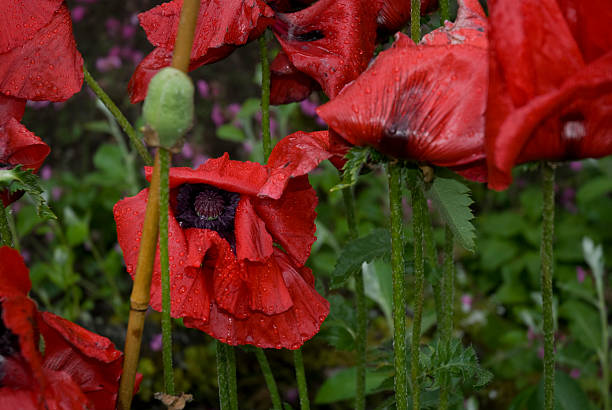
[207,207]
[6,166]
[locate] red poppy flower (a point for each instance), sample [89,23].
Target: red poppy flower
[550,83]
[287,83]
[38,55]
[17,144]
[423,102]
[240,233]
[76,369]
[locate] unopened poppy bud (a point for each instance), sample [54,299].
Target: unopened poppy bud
[168,107]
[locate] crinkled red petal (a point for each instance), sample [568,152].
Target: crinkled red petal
[424,103]
[268,293]
[289,329]
[90,360]
[296,154]
[11,108]
[62,392]
[332,41]
[20,146]
[288,84]
[18,399]
[253,242]
[394,14]
[21,20]
[14,275]
[291,219]
[47,67]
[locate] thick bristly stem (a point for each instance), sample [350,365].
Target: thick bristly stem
[547,261]
[415,20]
[300,375]
[166,321]
[360,301]
[222,376]
[231,376]
[121,120]
[269,377]
[265,97]
[139,300]
[6,238]
[444,11]
[448,280]
[418,207]
[399,286]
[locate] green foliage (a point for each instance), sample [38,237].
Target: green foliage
[568,396]
[341,386]
[18,179]
[355,160]
[365,249]
[452,200]
[230,132]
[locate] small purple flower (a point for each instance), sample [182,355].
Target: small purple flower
[37,105]
[108,63]
[466,302]
[309,108]
[203,88]
[247,147]
[575,373]
[78,13]
[26,255]
[216,115]
[531,334]
[56,193]
[187,151]
[112,26]
[575,166]
[128,31]
[233,109]
[156,342]
[198,160]
[115,51]
[568,199]
[273,127]
[320,122]
[580,274]
[134,19]
[46,172]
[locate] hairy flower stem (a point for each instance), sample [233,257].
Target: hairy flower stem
[399,286]
[360,301]
[223,376]
[448,281]
[6,238]
[269,377]
[300,375]
[231,376]
[415,20]
[419,206]
[265,97]
[444,11]
[166,321]
[139,300]
[121,120]
[547,261]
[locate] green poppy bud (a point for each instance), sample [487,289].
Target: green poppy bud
[168,107]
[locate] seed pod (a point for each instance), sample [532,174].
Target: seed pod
[168,107]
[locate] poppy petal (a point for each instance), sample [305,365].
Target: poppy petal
[17,399]
[290,219]
[332,41]
[267,291]
[14,275]
[288,84]
[11,108]
[54,68]
[295,155]
[21,20]
[253,242]
[22,146]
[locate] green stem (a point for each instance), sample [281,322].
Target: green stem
[360,301]
[399,286]
[6,238]
[415,20]
[547,260]
[448,281]
[231,376]
[123,122]
[223,377]
[444,11]
[604,354]
[300,375]
[166,322]
[265,97]
[269,377]
[419,206]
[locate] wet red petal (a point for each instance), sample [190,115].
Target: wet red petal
[62,392]
[253,242]
[332,41]
[20,20]
[290,219]
[267,291]
[288,84]
[14,275]
[20,146]
[11,108]
[17,399]
[90,360]
[395,14]
[47,67]
[289,329]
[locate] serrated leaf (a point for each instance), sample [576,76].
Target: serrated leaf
[18,179]
[355,159]
[365,249]
[452,199]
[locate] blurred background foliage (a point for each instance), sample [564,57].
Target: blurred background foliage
[77,268]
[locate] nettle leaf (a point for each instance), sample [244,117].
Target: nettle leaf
[452,199]
[18,179]
[355,159]
[365,249]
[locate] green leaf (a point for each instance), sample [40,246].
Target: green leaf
[452,199]
[77,229]
[339,328]
[584,323]
[18,179]
[365,249]
[568,395]
[594,189]
[355,159]
[230,132]
[341,386]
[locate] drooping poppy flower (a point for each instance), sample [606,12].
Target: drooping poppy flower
[550,83]
[240,233]
[17,144]
[38,55]
[75,369]
[423,102]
